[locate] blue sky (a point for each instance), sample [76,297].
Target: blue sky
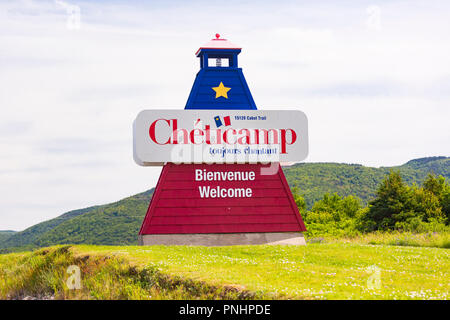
[373,78]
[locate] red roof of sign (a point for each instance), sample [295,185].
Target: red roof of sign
[176,206]
[218,44]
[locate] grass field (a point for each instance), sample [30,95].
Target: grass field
[394,238]
[316,271]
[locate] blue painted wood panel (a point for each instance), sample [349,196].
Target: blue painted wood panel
[202,95]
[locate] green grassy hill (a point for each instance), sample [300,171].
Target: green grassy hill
[31,235]
[118,223]
[316,179]
[5,234]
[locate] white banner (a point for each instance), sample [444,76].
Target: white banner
[219,136]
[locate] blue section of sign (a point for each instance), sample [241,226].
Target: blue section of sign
[203,96]
[218,121]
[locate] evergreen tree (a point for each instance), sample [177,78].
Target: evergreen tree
[391,204]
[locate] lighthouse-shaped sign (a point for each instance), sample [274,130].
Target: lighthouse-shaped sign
[221,182]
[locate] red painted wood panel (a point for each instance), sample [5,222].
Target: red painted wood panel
[224,210]
[168,185]
[224,228]
[221,202]
[195,193]
[176,205]
[178,175]
[223,219]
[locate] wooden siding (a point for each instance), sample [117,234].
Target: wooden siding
[176,206]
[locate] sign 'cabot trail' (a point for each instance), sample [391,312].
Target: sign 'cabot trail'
[221,182]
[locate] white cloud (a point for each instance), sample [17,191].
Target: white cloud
[68,96]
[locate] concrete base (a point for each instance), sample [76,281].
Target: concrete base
[223,239]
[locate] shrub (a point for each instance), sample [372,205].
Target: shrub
[334,216]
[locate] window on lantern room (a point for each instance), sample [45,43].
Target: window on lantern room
[213,62]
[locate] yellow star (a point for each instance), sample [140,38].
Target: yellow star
[221,91]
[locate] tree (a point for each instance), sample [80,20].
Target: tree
[446,204]
[435,185]
[340,208]
[334,216]
[438,186]
[398,206]
[391,205]
[426,205]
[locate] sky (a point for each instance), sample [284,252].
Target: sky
[373,78]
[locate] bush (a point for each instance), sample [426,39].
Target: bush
[334,216]
[418,226]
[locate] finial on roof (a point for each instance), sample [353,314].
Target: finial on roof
[218,43]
